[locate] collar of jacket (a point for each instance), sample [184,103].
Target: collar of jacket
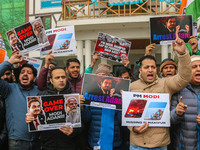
[52,90]
[20,87]
[147,84]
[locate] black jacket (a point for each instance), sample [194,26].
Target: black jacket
[3,130]
[55,139]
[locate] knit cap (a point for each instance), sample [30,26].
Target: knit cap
[103,68]
[167,61]
[195,57]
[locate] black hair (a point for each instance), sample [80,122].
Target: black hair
[29,66]
[54,68]
[146,57]
[109,78]
[33,99]
[123,70]
[72,60]
[170,18]
[54,63]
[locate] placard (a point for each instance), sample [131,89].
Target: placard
[104,91]
[152,108]
[163,29]
[28,37]
[61,41]
[52,112]
[111,47]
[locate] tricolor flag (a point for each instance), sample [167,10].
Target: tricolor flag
[3,52]
[192,8]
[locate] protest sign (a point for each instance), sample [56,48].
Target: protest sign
[37,63]
[163,29]
[152,108]
[52,112]
[61,41]
[104,91]
[28,37]
[112,48]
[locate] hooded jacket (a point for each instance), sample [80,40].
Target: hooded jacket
[55,139]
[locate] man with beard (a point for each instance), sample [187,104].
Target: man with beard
[73,114]
[66,137]
[34,108]
[40,32]
[16,106]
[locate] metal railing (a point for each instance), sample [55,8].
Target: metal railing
[74,9]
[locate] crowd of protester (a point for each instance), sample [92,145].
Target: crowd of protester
[101,127]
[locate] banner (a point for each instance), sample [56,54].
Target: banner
[152,108]
[37,63]
[104,91]
[53,111]
[163,29]
[50,3]
[61,41]
[28,37]
[112,48]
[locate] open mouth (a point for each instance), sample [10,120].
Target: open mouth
[150,76]
[25,79]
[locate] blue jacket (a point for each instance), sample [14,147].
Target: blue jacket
[92,115]
[185,128]
[16,107]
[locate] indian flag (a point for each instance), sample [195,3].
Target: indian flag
[193,8]
[3,52]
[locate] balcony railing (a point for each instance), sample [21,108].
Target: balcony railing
[74,9]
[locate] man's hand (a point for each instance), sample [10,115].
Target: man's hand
[82,100]
[48,59]
[125,62]
[95,57]
[198,119]
[177,29]
[149,48]
[29,118]
[181,107]
[112,91]
[68,110]
[66,130]
[187,28]
[141,128]
[15,58]
[193,43]
[179,46]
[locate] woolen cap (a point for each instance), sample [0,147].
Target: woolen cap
[167,61]
[103,68]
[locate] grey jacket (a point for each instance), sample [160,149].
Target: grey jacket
[185,131]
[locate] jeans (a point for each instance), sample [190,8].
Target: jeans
[134,147]
[23,145]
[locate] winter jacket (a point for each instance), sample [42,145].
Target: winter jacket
[16,107]
[92,115]
[159,136]
[186,135]
[55,139]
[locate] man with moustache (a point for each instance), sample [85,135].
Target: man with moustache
[66,137]
[40,32]
[144,137]
[185,112]
[7,76]
[16,106]
[34,107]
[73,114]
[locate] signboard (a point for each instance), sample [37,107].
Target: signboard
[163,29]
[28,37]
[112,48]
[61,41]
[104,91]
[50,3]
[52,112]
[152,108]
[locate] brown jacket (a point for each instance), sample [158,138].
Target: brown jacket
[159,136]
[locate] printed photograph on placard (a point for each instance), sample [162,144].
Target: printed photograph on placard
[111,47]
[163,29]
